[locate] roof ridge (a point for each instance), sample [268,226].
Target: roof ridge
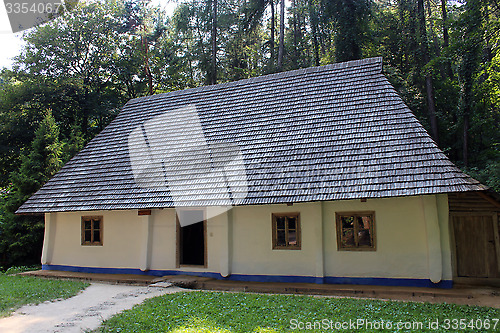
[300,71]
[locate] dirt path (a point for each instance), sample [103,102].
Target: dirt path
[85,311]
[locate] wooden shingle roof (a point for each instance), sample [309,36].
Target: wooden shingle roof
[334,132]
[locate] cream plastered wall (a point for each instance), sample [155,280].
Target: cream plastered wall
[126,240]
[402,239]
[412,240]
[252,241]
[121,240]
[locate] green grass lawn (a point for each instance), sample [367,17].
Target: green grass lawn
[218,312]
[17,290]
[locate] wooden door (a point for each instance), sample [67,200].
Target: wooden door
[476,242]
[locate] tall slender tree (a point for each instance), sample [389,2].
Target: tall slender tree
[281,47]
[295,32]
[213,79]
[254,11]
[429,87]
[470,49]
[446,37]
[272,37]
[313,19]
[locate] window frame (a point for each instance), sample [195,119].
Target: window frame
[92,229]
[339,215]
[274,223]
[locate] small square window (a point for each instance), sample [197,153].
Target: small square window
[286,231]
[92,230]
[356,231]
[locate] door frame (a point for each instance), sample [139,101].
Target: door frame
[470,280]
[178,239]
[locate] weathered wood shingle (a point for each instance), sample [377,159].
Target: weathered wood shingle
[325,133]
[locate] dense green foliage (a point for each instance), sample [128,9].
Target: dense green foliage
[18,290]
[237,312]
[443,58]
[21,236]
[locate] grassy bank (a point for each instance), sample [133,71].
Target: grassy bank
[17,290]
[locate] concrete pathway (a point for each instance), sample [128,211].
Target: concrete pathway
[83,312]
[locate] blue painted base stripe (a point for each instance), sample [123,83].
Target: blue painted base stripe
[136,271]
[262,278]
[272,278]
[389,282]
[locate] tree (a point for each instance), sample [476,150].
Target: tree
[350,18]
[429,88]
[21,236]
[254,11]
[281,47]
[314,23]
[81,51]
[470,49]
[213,75]
[22,103]
[446,36]
[271,39]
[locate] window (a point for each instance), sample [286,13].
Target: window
[286,231]
[92,230]
[356,231]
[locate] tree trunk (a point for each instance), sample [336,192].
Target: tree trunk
[488,49]
[465,146]
[295,36]
[282,35]
[213,79]
[431,107]
[147,71]
[271,41]
[431,29]
[446,37]
[85,114]
[314,28]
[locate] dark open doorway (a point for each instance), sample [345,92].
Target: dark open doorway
[192,238]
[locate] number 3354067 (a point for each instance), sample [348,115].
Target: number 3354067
[25,8]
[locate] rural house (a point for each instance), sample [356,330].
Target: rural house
[317,175]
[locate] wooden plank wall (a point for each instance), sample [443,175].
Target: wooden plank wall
[471,202]
[471,266]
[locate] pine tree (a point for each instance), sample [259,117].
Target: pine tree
[21,237]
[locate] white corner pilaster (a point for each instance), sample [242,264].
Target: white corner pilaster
[433,233]
[226,243]
[48,238]
[146,247]
[318,240]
